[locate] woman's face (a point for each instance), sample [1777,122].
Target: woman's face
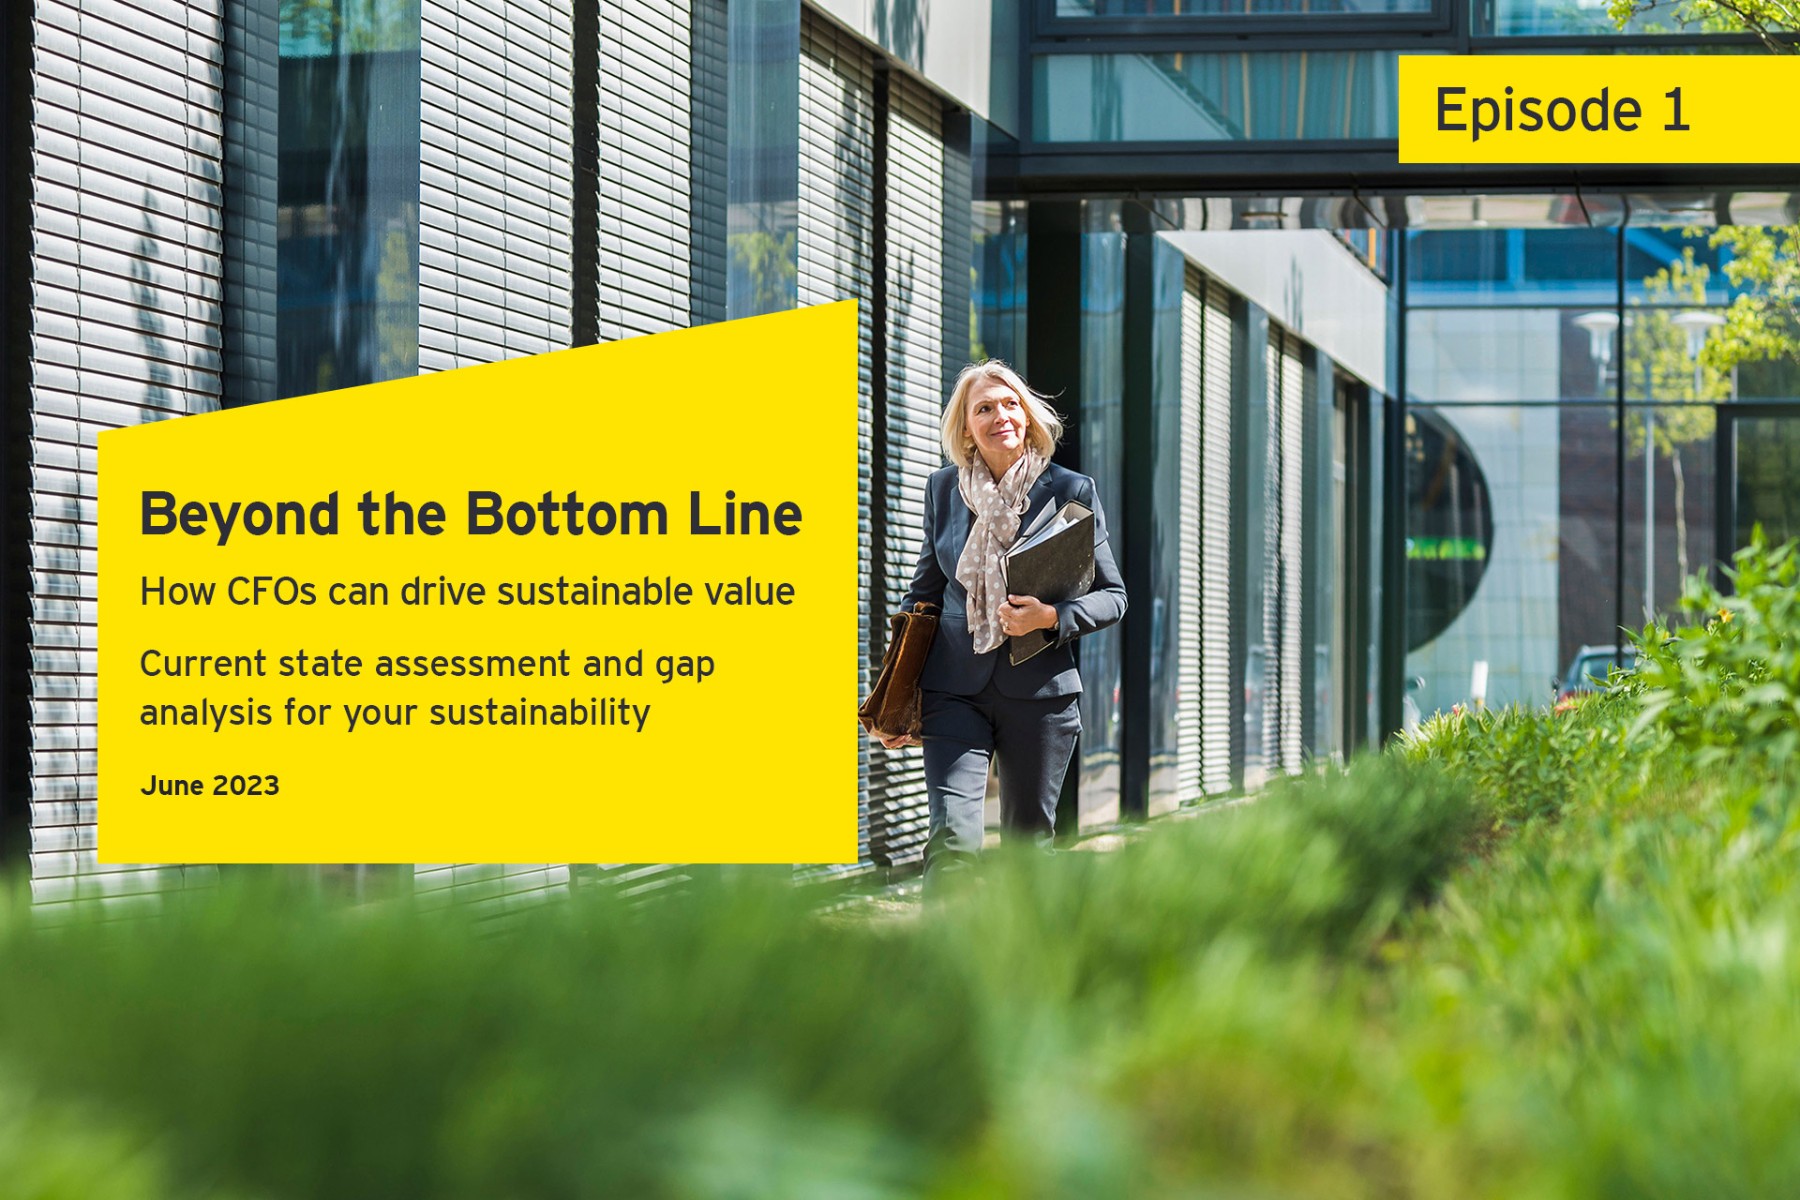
[997,422]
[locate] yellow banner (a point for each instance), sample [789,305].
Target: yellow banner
[1595,108]
[592,606]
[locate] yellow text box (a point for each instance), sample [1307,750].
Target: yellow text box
[1556,108]
[546,696]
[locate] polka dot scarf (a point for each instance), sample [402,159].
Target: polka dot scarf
[998,507]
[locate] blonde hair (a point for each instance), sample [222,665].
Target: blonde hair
[1042,433]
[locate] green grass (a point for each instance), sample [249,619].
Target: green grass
[1527,955]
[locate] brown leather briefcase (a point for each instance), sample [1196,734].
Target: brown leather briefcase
[892,709]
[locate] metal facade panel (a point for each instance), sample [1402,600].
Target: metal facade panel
[913,249]
[495,234]
[496,198]
[836,262]
[646,175]
[127,277]
[1190,606]
[710,49]
[488,886]
[252,95]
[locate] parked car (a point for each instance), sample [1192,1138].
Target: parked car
[1588,671]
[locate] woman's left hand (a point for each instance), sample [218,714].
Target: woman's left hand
[1022,614]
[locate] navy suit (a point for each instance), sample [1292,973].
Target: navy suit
[978,706]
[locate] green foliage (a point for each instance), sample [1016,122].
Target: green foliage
[1522,762]
[1767,19]
[770,262]
[51,1151]
[1726,682]
[349,26]
[1763,321]
[726,1042]
[1545,954]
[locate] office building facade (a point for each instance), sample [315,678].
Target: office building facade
[1366,438]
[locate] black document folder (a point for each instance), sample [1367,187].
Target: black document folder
[1054,562]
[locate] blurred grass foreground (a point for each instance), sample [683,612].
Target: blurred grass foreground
[1526,954]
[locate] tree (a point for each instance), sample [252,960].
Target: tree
[1763,322]
[1762,326]
[1656,353]
[1773,21]
[350,26]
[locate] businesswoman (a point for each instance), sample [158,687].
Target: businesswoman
[999,435]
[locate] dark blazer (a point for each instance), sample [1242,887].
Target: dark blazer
[953,666]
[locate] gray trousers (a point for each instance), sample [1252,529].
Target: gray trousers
[1034,740]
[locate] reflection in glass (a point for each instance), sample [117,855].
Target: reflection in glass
[763,157]
[1484,355]
[997,326]
[1234,8]
[1520,18]
[1665,360]
[348,217]
[1449,525]
[1589,18]
[1677,485]
[1538,268]
[1267,96]
[1541,587]
[1101,439]
[1169,287]
[1768,464]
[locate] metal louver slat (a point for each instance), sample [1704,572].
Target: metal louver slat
[913,243]
[1189,607]
[491,886]
[646,209]
[496,199]
[1215,549]
[494,231]
[836,262]
[1272,625]
[127,163]
[1293,559]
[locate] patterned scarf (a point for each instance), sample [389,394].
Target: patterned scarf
[998,507]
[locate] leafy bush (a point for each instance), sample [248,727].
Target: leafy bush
[1527,765]
[1727,680]
[1547,954]
[283,1049]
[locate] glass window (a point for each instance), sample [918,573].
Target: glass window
[1527,267]
[1483,355]
[1510,543]
[763,132]
[1250,381]
[1236,8]
[997,326]
[347,221]
[1590,18]
[1676,484]
[1265,96]
[1461,256]
[1768,462]
[1101,438]
[1167,474]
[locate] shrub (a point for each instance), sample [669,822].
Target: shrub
[1527,765]
[1727,680]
